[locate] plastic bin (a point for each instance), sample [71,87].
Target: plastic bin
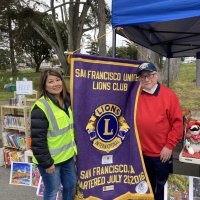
[10,87]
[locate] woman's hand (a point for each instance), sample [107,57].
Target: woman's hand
[165,154]
[51,169]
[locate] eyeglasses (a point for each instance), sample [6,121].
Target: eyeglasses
[149,76]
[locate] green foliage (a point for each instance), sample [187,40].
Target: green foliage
[92,47]
[29,42]
[128,52]
[26,41]
[4,59]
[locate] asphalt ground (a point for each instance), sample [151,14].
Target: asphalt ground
[15,192]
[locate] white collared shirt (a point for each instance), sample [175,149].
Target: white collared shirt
[152,90]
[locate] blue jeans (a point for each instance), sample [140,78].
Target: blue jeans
[158,173]
[65,174]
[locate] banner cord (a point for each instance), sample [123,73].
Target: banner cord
[119,29]
[90,42]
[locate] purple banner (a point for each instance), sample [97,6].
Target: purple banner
[104,97]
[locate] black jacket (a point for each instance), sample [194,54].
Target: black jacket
[39,127]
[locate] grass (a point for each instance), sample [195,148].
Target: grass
[185,87]
[5,79]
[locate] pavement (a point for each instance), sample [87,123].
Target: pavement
[15,192]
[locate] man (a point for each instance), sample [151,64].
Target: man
[160,126]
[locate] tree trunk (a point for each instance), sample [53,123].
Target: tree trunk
[75,24]
[12,51]
[102,28]
[37,68]
[59,40]
[173,70]
[148,55]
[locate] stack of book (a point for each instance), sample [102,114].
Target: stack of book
[15,140]
[13,121]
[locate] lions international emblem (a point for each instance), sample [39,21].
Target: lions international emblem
[107,128]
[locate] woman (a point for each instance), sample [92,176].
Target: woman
[52,135]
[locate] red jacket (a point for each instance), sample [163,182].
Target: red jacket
[159,120]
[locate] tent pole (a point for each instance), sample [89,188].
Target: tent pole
[168,71]
[114,43]
[169,55]
[198,69]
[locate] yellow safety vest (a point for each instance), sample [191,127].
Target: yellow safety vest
[60,134]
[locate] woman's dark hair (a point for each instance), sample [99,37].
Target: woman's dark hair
[43,78]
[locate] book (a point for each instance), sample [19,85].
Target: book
[7,157]
[4,139]
[15,140]
[13,121]
[12,155]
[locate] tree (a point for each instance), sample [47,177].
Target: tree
[4,59]
[92,47]
[75,16]
[77,22]
[33,44]
[7,19]
[128,52]
[103,15]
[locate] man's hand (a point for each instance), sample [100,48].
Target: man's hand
[165,154]
[51,169]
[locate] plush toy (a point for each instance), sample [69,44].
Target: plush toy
[192,140]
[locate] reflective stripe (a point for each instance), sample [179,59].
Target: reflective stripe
[64,148]
[56,130]
[59,132]
[51,115]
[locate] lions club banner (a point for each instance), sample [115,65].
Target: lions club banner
[104,97]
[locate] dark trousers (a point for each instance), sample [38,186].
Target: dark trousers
[158,174]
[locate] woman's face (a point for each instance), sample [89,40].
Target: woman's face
[53,85]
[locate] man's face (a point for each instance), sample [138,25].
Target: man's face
[148,79]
